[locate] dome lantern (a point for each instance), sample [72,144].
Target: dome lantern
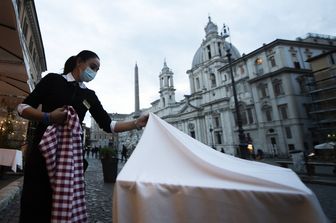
[211,28]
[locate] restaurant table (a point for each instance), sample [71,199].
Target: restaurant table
[172,177]
[11,157]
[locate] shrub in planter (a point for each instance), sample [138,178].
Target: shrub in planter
[109,160]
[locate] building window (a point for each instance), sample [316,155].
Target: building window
[259,61]
[288,132]
[263,90]
[272,61]
[277,87]
[246,115]
[259,67]
[197,83]
[209,51]
[283,112]
[241,69]
[235,118]
[224,78]
[302,83]
[250,115]
[216,122]
[219,49]
[25,27]
[161,82]
[18,5]
[268,114]
[291,147]
[192,134]
[213,80]
[31,45]
[218,137]
[169,81]
[296,63]
[243,114]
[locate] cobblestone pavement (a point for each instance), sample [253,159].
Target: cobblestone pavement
[326,194]
[98,194]
[99,198]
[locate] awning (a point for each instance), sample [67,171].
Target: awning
[327,145]
[13,74]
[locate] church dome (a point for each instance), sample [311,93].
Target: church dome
[211,34]
[198,58]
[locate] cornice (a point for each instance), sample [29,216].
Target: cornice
[277,72]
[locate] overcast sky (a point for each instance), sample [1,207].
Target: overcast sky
[123,32]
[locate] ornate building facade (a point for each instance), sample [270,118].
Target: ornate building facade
[271,85]
[22,61]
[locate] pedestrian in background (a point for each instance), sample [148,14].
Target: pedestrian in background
[56,94]
[124,152]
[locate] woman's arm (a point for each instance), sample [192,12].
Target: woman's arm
[104,121]
[57,116]
[130,125]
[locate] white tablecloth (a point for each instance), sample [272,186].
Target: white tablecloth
[172,177]
[11,157]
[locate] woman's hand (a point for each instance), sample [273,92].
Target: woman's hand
[141,121]
[138,123]
[58,116]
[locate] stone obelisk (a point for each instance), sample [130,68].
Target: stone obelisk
[136,92]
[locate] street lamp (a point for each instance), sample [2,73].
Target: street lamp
[241,135]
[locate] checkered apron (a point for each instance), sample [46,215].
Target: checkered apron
[61,146]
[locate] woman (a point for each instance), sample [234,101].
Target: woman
[54,92]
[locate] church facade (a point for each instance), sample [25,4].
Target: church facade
[272,85]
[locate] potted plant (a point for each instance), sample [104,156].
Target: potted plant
[109,160]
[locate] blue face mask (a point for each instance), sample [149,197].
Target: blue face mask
[87,75]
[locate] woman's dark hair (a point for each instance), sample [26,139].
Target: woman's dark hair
[71,62]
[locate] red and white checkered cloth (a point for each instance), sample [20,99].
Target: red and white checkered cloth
[61,146]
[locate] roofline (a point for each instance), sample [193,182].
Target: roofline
[39,36]
[321,55]
[275,43]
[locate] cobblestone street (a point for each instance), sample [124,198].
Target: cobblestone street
[99,198]
[326,194]
[98,193]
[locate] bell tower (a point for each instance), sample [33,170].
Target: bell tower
[167,91]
